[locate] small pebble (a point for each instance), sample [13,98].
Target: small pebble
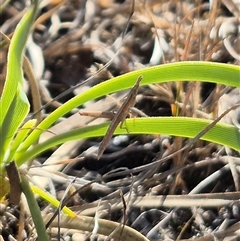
[78,237]
[208,217]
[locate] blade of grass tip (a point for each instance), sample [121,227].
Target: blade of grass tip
[14,75]
[53,201]
[32,81]
[13,99]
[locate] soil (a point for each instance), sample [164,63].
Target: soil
[194,195]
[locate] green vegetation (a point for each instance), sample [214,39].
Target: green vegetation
[18,138]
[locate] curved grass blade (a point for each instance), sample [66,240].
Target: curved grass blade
[222,134]
[181,71]
[14,104]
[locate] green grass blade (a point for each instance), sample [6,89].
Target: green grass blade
[222,134]
[20,137]
[34,209]
[181,71]
[14,105]
[14,75]
[50,199]
[17,112]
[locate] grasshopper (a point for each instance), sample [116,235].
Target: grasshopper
[119,116]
